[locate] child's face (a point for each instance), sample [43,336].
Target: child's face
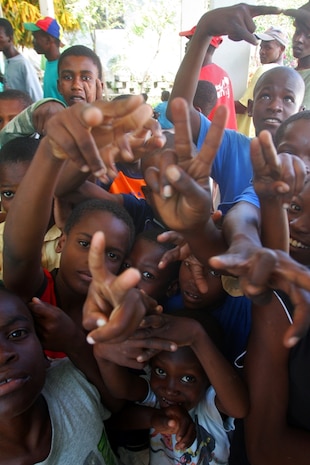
[178,378]
[8,110]
[270,51]
[296,140]
[11,175]
[4,40]
[299,223]
[22,362]
[301,41]
[77,79]
[145,256]
[192,298]
[74,247]
[278,96]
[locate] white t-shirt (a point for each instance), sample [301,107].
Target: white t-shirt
[78,434]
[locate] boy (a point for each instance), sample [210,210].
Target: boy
[22,245]
[12,102]
[47,35]
[49,413]
[18,72]
[15,159]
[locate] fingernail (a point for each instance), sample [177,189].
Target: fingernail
[90,340]
[99,173]
[167,192]
[84,169]
[285,206]
[292,341]
[173,173]
[100,322]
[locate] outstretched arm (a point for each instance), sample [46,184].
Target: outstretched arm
[235,21]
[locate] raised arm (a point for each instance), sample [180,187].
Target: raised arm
[236,22]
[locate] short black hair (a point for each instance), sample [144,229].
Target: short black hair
[7,26]
[283,126]
[165,95]
[15,94]
[93,205]
[18,150]
[81,51]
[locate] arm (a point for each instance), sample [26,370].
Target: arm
[31,119]
[269,439]
[236,22]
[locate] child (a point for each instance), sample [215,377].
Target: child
[15,158]
[45,408]
[205,97]
[22,244]
[145,256]
[80,77]
[160,111]
[12,102]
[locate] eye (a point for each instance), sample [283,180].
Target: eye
[188,379]
[113,256]
[294,207]
[67,77]
[148,276]
[84,244]
[18,334]
[87,78]
[159,372]
[265,97]
[7,194]
[126,265]
[289,99]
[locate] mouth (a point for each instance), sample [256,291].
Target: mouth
[85,276]
[9,385]
[191,296]
[167,403]
[77,98]
[272,121]
[298,245]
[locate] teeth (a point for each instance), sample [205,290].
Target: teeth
[5,381]
[298,244]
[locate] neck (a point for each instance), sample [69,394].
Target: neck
[303,63]
[26,435]
[10,52]
[52,54]
[69,301]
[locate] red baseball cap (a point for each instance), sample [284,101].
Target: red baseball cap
[216,40]
[48,25]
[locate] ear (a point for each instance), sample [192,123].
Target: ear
[61,243]
[302,108]
[198,109]
[250,107]
[173,288]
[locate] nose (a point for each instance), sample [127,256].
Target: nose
[276,105]
[300,224]
[171,387]
[76,83]
[7,354]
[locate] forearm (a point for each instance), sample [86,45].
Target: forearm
[28,219]
[231,392]
[274,224]
[121,382]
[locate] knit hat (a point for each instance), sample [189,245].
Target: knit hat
[273,33]
[48,25]
[216,40]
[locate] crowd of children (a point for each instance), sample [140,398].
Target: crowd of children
[152,329]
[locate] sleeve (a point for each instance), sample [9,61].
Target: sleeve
[22,124]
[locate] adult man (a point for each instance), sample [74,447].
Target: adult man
[301,47]
[218,76]
[47,41]
[18,71]
[272,48]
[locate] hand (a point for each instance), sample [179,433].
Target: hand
[55,329]
[175,420]
[236,21]
[275,175]
[147,139]
[302,15]
[181,193]
[43,114]
[113,308]
[93,135]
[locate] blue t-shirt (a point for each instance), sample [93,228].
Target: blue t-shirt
[50,81]
[161,108]
[232,167]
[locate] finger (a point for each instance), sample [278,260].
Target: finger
[213,140]
[182,129]
[301,320]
